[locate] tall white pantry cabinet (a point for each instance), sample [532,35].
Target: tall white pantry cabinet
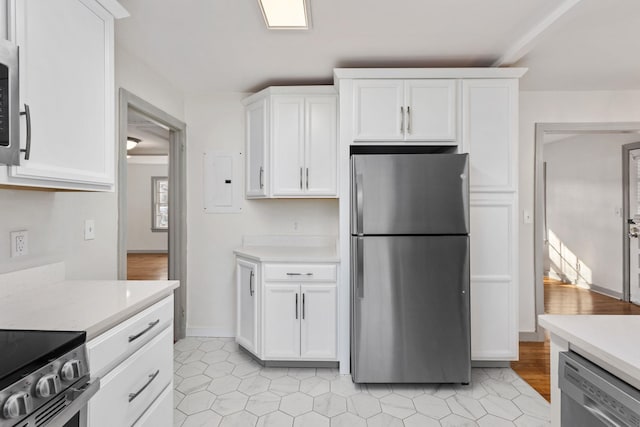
[474,110]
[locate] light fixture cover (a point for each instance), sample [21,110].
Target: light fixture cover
[132,142]
[286,14]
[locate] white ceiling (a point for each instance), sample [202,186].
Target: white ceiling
[223,45]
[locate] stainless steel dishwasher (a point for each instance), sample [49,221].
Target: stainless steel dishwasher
[593,397]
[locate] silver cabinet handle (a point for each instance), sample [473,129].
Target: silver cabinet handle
[307,178]
[408,119]
[303,306]
[301,178]
[27,149]
[401,119]
[251,283]
[299,274]
[137,393]
[296,306]
[261,177]
[139,334]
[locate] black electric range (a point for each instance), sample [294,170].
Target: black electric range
[42,374]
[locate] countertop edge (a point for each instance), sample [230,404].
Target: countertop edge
[297,259]
[112,321]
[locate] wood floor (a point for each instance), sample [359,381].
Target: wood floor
[562,298]
[147,267]
[533,366]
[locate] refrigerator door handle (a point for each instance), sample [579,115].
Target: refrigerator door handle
[359,205]
[359,267]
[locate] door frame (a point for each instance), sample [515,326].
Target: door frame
[177,199]
[541,130]
[626,151]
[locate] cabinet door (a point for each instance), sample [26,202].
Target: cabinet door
[490,109]
[321,146]
[318,322]
[378,115]
[431,110]
[282,321]
[160,413]
[257,131]
[66,78]
[287,144]
[247,322]
[494,326]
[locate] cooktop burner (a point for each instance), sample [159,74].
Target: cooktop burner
[22,351]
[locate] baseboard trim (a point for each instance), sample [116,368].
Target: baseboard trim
[535,336]
[210,332]
[490,364]
[605,291]
[148,251]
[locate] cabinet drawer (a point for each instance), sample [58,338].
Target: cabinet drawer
[300,272]
[130,388]
[118,343]
[160,413]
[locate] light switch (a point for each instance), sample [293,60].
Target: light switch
[89,229]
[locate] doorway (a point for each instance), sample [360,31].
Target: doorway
[166,206]
[543,237]
[631,209]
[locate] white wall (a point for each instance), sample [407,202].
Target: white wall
[216,122]
[548,107]
[55,220]
[139,235]
[584,202]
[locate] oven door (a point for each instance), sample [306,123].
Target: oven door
[67,410]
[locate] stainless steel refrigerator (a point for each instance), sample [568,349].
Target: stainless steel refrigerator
[410,320]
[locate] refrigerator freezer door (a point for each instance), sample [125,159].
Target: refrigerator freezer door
[410,194]
[410,311]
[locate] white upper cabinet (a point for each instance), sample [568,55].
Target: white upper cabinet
[66,79]
[288,145]
[320,146]
[420,110]
[257,131]
[490,119]
[292,142]
[379,110]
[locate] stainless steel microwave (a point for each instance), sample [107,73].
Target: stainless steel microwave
[9,104]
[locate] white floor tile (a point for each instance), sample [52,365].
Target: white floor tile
[217,384]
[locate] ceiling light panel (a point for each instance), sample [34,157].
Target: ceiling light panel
[286,14]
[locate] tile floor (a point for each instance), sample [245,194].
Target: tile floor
[216,384]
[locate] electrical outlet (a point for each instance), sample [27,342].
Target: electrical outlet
[19,243]
[89,229]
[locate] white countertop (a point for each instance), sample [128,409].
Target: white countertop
[289,253]
[611,341]
[93,306]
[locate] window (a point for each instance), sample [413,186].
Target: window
[159,203]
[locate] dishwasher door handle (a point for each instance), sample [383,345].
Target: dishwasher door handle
[602,416]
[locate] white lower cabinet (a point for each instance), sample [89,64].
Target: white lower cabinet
[298,311]
[247,294]
[160,413]
[318,322]
[281,321]
[137,388]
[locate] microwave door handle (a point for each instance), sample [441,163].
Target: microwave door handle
[27,150]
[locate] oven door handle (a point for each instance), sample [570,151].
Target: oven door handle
[79,397]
